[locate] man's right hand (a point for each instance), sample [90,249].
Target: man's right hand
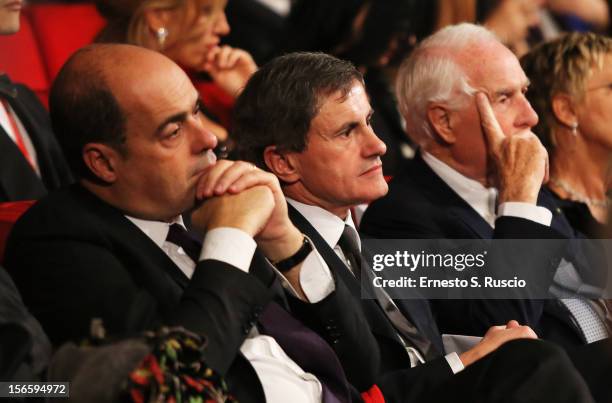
[495,337]
[520,161]
[249,211]
[262,215]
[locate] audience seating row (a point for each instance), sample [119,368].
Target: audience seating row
[48,35]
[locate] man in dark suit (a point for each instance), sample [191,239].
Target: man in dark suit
[31,161]
[112,250]
[470,183]
[306,117]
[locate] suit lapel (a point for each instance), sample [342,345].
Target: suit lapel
[135,244]
[18,180]
[376,318]
[440,193]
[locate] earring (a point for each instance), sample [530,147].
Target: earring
[574,127]
[161,34]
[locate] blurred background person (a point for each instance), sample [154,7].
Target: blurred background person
[189,32]
[31,161]
[257,26]
[571,91]
[583,15]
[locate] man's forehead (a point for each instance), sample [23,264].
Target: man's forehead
[496,71]
[340,96]
[153,88]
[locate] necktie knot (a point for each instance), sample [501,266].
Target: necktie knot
[180,237]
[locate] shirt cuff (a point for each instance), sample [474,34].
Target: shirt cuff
[454,362]
[229,245]
[528,211]
[316,279]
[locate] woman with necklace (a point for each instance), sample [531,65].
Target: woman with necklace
[571,91]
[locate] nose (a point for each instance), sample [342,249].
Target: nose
[221,27]
[373,146]
[528,118]
[203,138]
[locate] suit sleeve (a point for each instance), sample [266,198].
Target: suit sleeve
[475,316]
[340,321]
[67,283]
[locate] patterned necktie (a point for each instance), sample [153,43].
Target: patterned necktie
[180,237]
[586,318]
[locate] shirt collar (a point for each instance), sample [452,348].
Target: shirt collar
[328,225]
[480,198]
[156,230]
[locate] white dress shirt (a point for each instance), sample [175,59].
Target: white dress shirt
[330,227]
[279,375]
[8,128]
[483,199]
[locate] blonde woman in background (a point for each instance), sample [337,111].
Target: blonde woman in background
[189,32]
[571,91]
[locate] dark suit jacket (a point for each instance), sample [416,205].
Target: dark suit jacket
[75,257]
[421,205]
[24,347]
[396,378]
[18,181]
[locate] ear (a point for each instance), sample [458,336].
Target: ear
[157,18]
[440,119]
[563,109]
[101,161]
[281,164]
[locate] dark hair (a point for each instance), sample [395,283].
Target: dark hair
[84,110]
[384,20]
[281,99]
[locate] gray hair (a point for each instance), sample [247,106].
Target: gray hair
[431,74]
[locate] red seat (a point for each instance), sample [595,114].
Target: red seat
[216,100]
[61,29]
[9,214]
[20,58]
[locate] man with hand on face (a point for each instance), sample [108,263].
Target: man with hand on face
[306,118]
[114,246]
[478,175]
[31,162]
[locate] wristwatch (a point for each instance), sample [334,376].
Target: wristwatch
[298,257]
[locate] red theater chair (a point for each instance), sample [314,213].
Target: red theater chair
[61,29]
[21,59]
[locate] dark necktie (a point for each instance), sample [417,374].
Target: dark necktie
[308,350]
[403,325]
[180,237]
[304,346]
[350,247]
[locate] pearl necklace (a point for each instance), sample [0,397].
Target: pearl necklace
[579,197]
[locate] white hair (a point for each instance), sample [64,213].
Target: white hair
[432,74]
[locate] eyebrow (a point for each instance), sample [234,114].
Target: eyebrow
[352,124]
[178,117]
[506,91]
